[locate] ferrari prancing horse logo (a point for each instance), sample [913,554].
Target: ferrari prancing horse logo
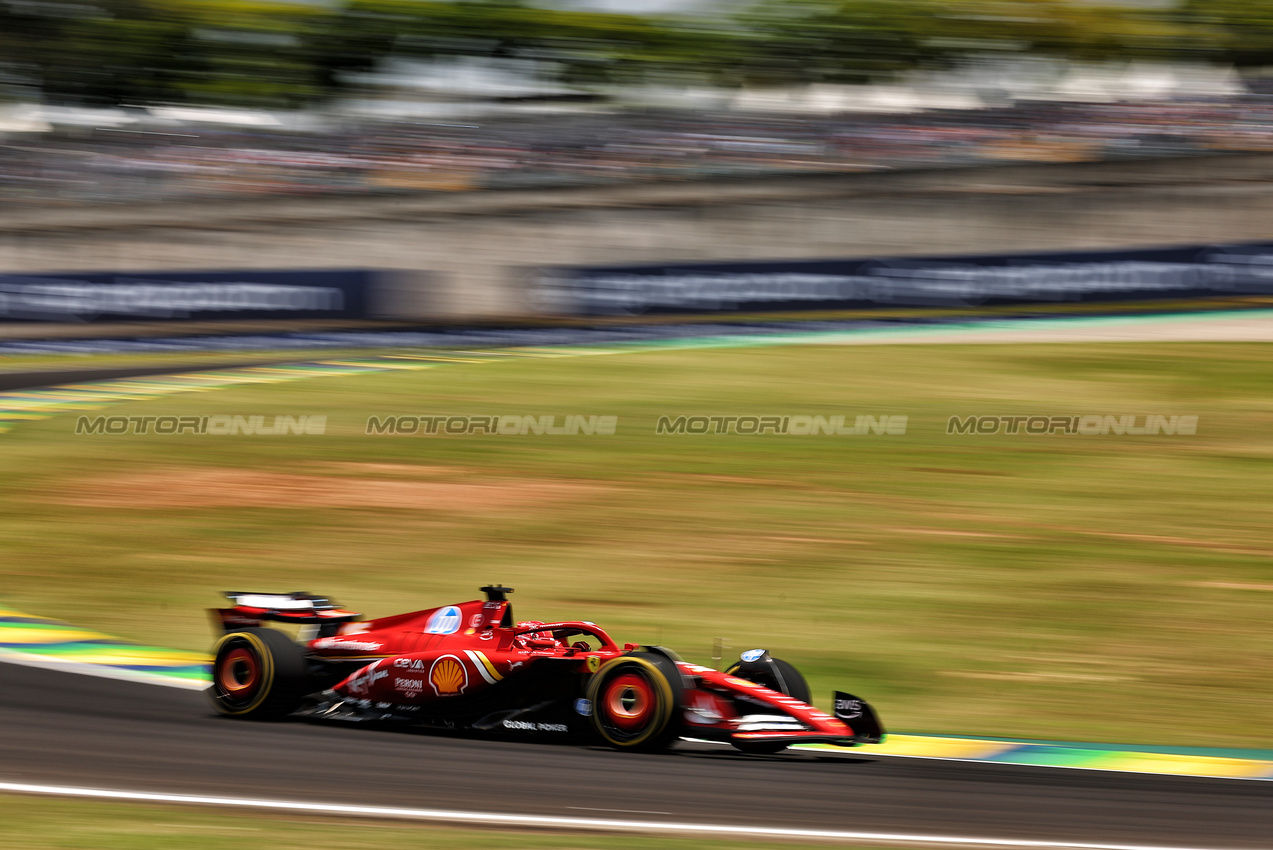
[448,676]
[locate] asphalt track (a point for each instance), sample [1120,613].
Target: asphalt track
[65,729]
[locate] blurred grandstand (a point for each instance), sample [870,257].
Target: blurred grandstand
[152,155]
[149,100]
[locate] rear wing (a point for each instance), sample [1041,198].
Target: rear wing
[251,609]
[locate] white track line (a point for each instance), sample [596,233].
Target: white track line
[101,671]
[497,819]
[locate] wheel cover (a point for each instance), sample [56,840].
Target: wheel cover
[239,673]
[242,674]
[629,702]
[633,702]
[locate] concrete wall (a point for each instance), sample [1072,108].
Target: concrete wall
[480,245]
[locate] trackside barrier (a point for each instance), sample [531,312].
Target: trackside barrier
[191,296]
[917,282]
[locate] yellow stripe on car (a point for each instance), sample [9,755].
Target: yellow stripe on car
[484,666]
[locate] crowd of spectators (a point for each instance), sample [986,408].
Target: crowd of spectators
[137,165]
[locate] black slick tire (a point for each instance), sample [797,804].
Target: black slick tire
[257,673]
[636,702]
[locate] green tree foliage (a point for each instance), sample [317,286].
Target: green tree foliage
[1237,31]
[102,52]
[274,53]
[586,46]
[96,52]
[861,40]
[836,40]
[253,52]
[1066,28]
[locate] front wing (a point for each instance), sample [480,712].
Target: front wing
[718,706]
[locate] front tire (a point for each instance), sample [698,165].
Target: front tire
[258,674]
[636,701]
[776,675]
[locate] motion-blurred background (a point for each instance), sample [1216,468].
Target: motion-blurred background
[478,142]
[126,100]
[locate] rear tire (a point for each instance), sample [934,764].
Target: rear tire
[258,674]
[776,675]
[636,701]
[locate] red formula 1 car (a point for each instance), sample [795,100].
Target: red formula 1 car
[473,666]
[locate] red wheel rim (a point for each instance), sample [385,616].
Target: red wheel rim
[628,701]
[239,673]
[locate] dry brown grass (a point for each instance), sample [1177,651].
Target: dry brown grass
[214,487]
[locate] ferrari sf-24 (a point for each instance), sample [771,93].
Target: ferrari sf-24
[472,666]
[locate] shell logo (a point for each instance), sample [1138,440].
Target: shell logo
[448,676]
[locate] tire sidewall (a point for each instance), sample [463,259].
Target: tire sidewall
[281,667]
[661,728]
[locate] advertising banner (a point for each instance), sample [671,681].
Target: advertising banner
[186,296]
[959,281]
